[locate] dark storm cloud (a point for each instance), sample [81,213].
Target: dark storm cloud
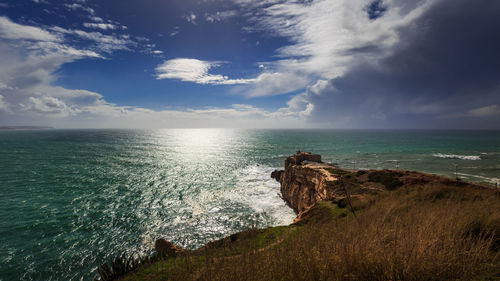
[445,66]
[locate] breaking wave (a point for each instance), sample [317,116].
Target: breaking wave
[454,156]
[256,189]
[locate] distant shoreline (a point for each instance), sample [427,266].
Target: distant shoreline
[251,129]
[17,128]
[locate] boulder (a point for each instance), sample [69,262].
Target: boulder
[167,248]
[276,174]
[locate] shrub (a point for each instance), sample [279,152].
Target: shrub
[388,179]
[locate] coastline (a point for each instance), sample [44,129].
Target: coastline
[312,188]
[104,192]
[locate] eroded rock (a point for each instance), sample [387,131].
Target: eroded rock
[305,181]
[276,174]
[167,248]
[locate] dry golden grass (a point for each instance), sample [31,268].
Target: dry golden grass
[413,233]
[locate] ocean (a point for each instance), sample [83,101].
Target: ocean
[72,199]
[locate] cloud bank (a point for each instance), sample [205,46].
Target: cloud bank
[386,64]
[31,55]
[441,73]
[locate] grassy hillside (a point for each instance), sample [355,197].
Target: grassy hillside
[433,230]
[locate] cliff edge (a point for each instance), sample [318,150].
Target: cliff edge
[354,224]
[306,180]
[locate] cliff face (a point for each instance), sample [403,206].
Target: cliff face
[306,181]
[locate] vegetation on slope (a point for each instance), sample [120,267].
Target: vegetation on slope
[426,231]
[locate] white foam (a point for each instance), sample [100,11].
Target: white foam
[255,188]
[454,156]
[485,179]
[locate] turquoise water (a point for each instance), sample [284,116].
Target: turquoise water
[70,199]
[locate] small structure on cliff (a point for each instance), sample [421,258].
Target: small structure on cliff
[300,157]
[297,159]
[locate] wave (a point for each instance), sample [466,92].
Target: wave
[489,180]
[251,187]
[455,156]
[255,188]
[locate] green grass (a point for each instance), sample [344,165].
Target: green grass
[339,172]
[249,240]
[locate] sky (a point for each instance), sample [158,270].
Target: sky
[346,64]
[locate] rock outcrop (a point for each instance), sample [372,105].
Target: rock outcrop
[167,248]
[276,174]
[306,181]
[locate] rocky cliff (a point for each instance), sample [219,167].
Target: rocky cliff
[322,193]
[306,180]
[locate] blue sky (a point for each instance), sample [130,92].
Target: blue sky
[244,63]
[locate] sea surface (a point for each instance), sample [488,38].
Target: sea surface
[71,199]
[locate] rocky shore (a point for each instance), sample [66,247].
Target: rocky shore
[306,181]
[354,223]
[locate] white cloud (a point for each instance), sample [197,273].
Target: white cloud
[141,38]
[11,30]
[96,19]
[237,115]
[30,56]
[324,35]
[276,83]
[76,6]
[485,111]
[47,105]
[301,105]
[102,42]
[191,18]
[197,71]
[157,52]
[174,32]
[29,97]
[220,15]
[103,26]
[327,37]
